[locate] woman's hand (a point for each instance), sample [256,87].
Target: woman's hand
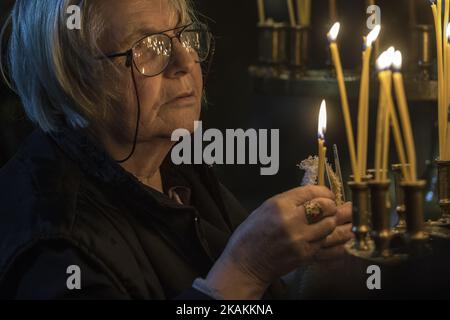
[274,240]
[333,246]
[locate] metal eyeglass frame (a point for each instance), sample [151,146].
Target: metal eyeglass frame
[129,53]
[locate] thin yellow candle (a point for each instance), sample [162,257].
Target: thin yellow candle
[322,126]
[332,35]
[386,131]
[393,119]
[447,93]
[445,49]
[301,12]
[304,12]
[404,115]
[308,12]
[437,15]
[444,34]
[382,131]
[291,11]
[379,132]
[447,155]
[261,11]
[363,110]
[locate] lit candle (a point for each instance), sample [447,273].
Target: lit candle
[322,127]
[437,15]
[447,156]
[379,134]
[332,35]
[445,111]
[404,115]
[444,48]
[444,37]
[393,119]
[383,64]
[363,113]
[386,87]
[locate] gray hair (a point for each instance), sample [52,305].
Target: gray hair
[54,70]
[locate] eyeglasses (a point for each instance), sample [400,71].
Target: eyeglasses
[153,53]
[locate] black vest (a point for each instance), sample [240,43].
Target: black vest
[65,188]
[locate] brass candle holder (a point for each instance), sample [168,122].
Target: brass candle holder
[400,198]
[416,237]
[360,214]
[381,231]
[299,47]
[444,191]
[271,44]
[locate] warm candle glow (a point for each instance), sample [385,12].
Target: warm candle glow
[334,31]
[448,32]
[385,59]
[373,35]
[322,128]
[397,60]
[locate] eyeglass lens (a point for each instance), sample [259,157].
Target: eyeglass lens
[152,54]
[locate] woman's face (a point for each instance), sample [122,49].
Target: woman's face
[162,109]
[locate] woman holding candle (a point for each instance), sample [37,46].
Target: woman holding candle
[102,193]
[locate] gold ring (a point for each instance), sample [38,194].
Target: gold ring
[314,212]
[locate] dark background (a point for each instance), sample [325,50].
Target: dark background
[234,103]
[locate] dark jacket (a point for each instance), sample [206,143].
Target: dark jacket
[65,202]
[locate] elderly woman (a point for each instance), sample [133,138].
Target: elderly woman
[92,206]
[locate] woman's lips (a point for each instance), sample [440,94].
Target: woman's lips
[184,99]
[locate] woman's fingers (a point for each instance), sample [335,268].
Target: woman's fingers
[344,213]
[327,206]
[326,225]
[320,230]
[339,236]
[303,194]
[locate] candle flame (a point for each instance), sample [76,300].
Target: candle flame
[322,128]
[448,32]
[385,59]
[397,60]
[334,31]
[391,51]
[373,35]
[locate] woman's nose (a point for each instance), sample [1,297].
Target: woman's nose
[182,60]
